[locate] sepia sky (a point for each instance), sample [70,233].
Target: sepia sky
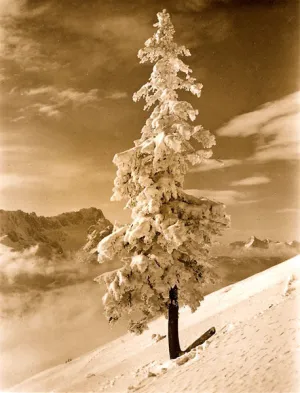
[68,72]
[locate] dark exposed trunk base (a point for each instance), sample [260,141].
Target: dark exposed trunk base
[173,336]
[174,346]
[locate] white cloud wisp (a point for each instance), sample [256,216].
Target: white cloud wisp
[276,125]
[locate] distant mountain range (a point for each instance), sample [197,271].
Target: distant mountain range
[80,231]
[57,235]
[254,242]
[68,243]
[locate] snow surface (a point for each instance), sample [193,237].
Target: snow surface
[256,347]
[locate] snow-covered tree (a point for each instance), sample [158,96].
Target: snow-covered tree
[165,248]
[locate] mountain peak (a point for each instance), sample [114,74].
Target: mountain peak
[59,234]
[256,243]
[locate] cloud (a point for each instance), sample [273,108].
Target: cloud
[17,181]
[240,253]
[50,174]
[15,148]
[252,123]
[103,38]
[198,5]
[117,95]
[17,119]
[17,43]
[62,97]
[31,263]
[55,100]
[58,99]
[23,50]
[18,8]
[288,210]
[215,26]
[275,125]
[228,197]
[249,201]
[251,181]
[213,164]
[34,292]
[285,144]
[35,39]
[123,30]
[9,7]
[48,110]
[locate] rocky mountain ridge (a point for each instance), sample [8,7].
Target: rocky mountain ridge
[59,234]
[81,231]
[254,242]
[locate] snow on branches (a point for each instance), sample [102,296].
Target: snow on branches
[168,240]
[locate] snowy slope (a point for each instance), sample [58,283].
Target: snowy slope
[256,348]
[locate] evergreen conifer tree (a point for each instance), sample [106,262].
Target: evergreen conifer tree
[164,250]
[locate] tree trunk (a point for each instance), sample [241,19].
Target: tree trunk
[173,336]
[174,346]
[201,340]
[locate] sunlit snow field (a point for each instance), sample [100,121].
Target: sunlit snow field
[256,347]
[52,314]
